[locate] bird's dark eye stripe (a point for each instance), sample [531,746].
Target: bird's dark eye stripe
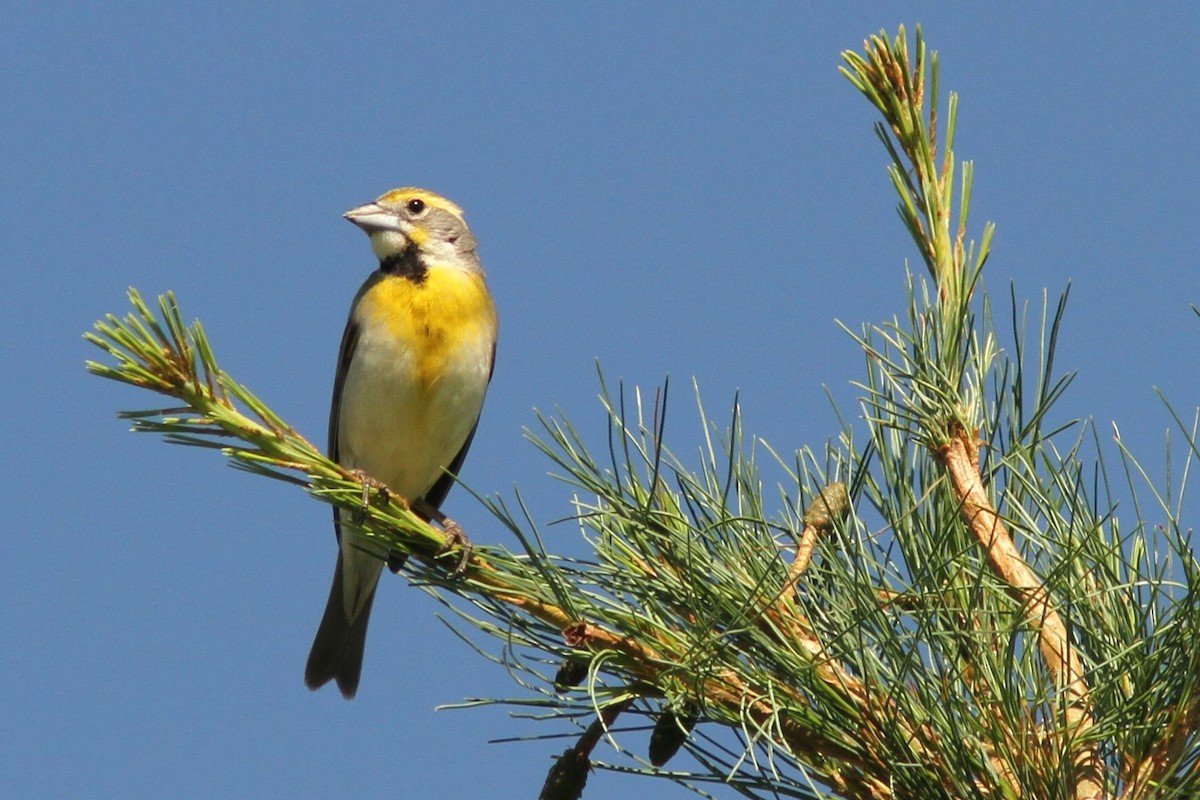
[416,205]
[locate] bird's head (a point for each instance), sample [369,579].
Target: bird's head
[414,223]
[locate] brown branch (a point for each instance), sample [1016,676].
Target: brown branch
[1165,756]
[786,616]
[844,765]
[961,460]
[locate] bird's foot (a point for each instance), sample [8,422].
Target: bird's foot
[395,561]
[369,483]
[455,536]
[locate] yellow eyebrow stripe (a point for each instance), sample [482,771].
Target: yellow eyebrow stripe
[401,196]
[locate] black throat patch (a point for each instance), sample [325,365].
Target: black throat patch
[407,264]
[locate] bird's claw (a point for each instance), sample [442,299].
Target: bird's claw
[455,536]
[368,483]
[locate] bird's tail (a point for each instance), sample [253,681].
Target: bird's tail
[337,650]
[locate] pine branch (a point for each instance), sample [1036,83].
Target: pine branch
[170,358]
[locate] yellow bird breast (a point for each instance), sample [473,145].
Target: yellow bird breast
[415,383]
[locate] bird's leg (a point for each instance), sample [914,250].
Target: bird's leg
[369,483]
[455,535]
[395,561]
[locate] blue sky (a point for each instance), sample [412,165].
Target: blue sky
[686,191]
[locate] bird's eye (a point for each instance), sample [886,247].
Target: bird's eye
[416,205]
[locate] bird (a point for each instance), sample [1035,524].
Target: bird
[414,365]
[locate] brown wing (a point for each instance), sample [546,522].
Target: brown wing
[337,650]
[345,353]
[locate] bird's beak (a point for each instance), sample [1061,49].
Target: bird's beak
[373,218]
